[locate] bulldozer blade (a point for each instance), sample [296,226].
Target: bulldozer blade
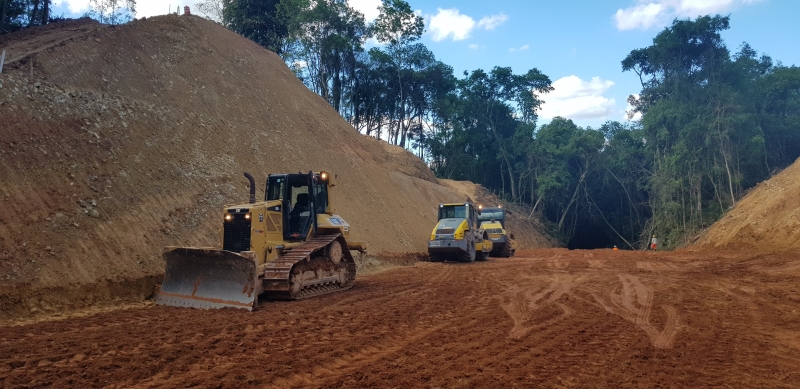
[207,278]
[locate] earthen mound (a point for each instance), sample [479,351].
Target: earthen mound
[766,220]
[119,140]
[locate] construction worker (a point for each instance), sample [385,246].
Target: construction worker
[615,248]
[653,243]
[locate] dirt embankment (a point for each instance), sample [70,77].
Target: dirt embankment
[118,141]
[766,220]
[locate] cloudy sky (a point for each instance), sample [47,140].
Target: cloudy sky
[579,44]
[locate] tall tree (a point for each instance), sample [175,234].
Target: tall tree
[399,27]
[257,20]
[495,100]
[112,11]
[324,40]
[212,9]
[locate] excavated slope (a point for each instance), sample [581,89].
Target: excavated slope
[118,141]
[766,220]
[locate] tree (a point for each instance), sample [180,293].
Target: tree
[399,26]
[323,44]
[497,102]
[256,20]
[17,14]
[212,9]
[112,11]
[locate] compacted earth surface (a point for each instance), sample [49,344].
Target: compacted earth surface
[546,318]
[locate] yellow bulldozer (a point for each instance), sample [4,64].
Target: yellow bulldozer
[290,246]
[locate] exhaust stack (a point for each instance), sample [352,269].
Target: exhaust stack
[252,187]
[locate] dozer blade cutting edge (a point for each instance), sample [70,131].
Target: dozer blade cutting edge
[208,278]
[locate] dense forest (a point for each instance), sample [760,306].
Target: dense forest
[713,122]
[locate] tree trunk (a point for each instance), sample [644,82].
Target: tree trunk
[3,15]
[574,195]
[33,14]
[46,12]
[508,162]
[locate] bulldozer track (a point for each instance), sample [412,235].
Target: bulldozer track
[278,277]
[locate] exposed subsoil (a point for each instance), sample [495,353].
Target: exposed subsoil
[116,141]
[546,318]
[766,220]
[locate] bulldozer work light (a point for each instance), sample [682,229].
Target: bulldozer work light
[323,176]
[228,217]
[247,216]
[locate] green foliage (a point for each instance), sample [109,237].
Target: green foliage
[713,123]
[112,11]
[710,123]
[257,20]
[397,23]
[17,14]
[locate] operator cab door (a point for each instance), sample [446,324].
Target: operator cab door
[297,202]
[473,217]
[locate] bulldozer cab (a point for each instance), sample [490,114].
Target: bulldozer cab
[302,197]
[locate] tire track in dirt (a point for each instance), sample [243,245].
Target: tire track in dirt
[528,297]
[355,362]
[634,303]
[444,271]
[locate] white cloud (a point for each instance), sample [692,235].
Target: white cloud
[523,48]
[457,26]
[474,46]
[574,98]
[657,13]
[450,22]
[367,7]
[491,22]
[74,6]
[642,17]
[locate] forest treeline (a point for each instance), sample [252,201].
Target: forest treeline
[712,122]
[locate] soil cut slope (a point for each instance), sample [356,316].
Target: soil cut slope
[118,141]
[766,220]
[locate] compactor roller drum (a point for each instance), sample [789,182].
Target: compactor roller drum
[289,246]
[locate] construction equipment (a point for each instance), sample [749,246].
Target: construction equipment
[458,236]
[493,221]
[290,246]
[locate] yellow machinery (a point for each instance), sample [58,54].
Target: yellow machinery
[493,221]
[458,236]
[289,246]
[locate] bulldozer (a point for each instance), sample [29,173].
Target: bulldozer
[493,221]
[289,246]
[458,236]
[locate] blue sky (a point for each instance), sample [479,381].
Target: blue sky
[579,44]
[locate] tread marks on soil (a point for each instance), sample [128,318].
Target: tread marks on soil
[352,363]
[634,303]
[522,303]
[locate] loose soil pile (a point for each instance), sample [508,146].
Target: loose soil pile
[118,141]
[544,319]
[766,220]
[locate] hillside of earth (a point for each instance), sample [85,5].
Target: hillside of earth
[767,219]
[119,140]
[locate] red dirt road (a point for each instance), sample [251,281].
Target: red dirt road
[547,318]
